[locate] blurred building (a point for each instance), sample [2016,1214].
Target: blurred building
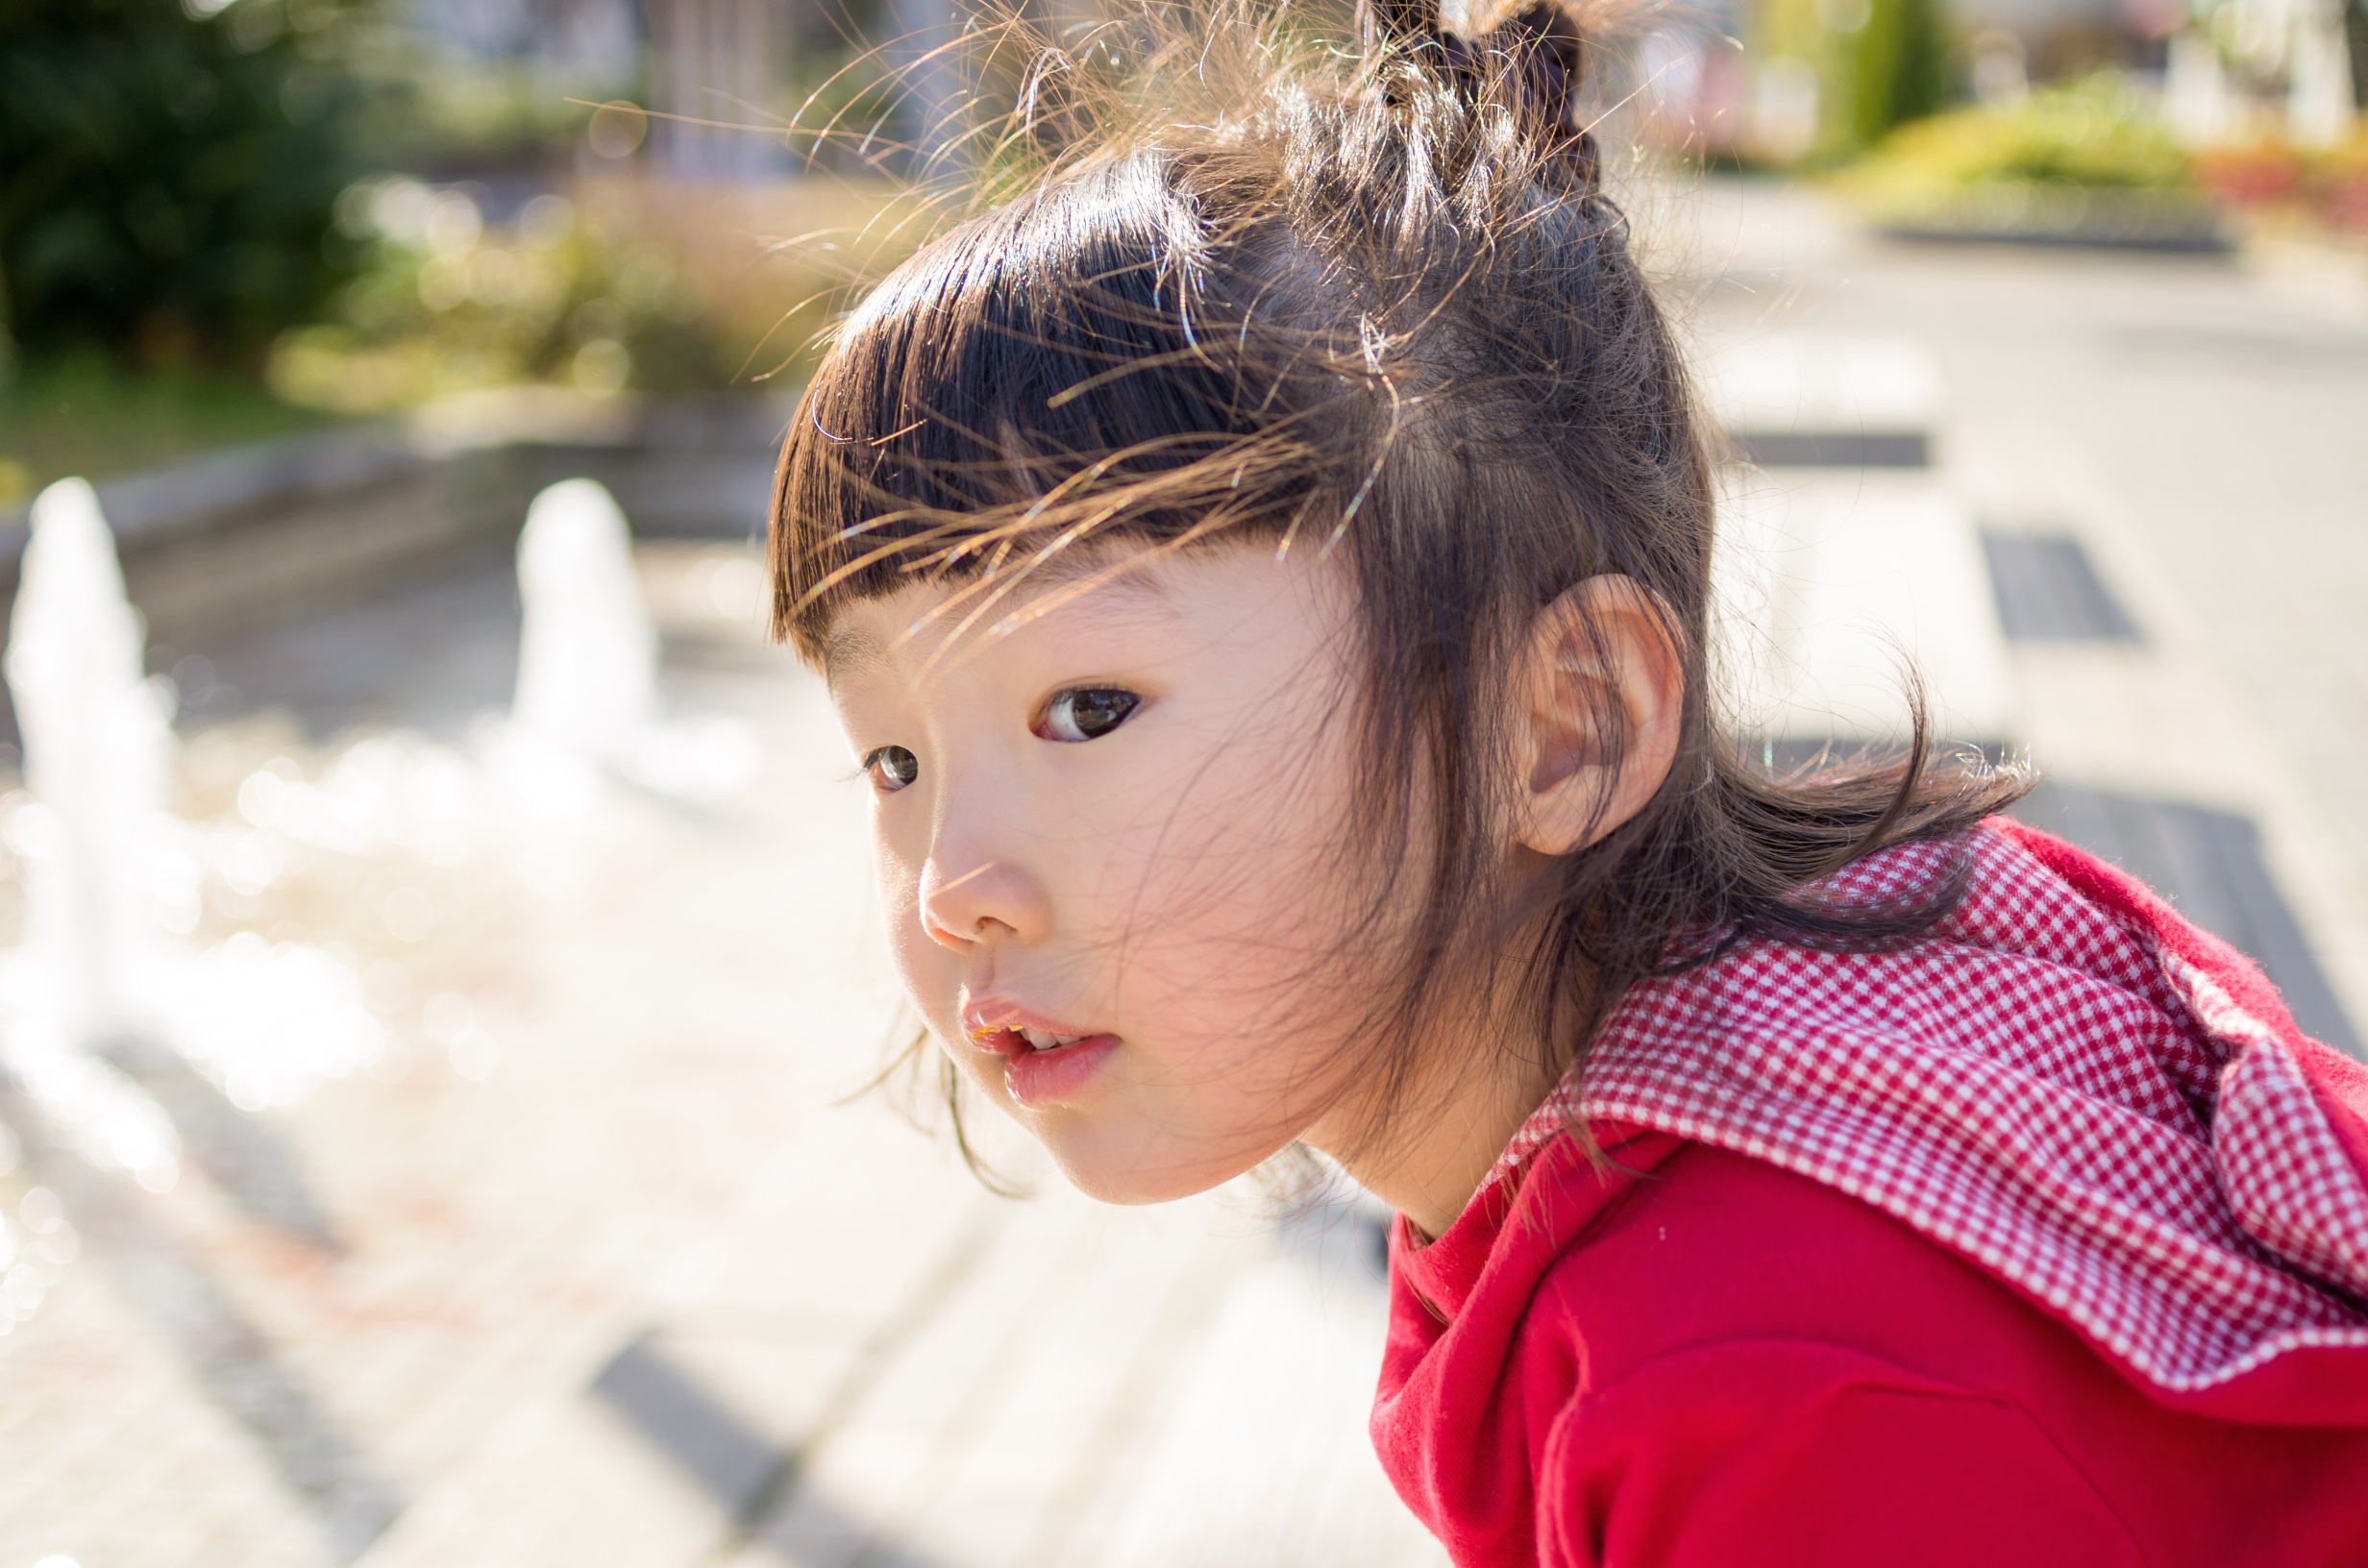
[711,70]
[1764,79]
[592,43]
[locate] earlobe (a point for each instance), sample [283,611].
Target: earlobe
[1604,688]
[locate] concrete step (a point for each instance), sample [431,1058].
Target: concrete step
[1825,400]
[1834,588]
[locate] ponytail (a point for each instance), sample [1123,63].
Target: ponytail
[1534,58]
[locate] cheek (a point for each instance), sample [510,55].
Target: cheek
[922,964]
[1236,901]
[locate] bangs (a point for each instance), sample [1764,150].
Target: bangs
[1033,381]
[1375,290]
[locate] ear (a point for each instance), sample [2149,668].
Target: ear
[1606,649]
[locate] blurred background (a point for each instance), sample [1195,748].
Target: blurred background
[438,977]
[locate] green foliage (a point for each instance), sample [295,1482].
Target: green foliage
[166,179]
[2096,135]
[444,304]
[1899,67]
[2087,163]
[84,414]
[427,107]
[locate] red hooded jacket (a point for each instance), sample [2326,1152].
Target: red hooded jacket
[2042,1241]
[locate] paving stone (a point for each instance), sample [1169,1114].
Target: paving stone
[2194,427]
[1835,584]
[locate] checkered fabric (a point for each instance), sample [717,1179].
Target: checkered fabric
[2041,1086]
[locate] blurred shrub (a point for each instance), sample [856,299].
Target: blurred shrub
[166,175]
[2328,185]
[2338,182]
[2250,173]
[2323,185]
[2088,163]
[2096,133]
[2096,157]
[445,302]
[627,285]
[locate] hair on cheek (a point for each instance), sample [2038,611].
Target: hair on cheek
[1370,298]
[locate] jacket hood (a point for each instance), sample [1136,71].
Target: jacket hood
[2068,1083]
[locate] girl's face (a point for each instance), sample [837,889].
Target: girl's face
[1109,838]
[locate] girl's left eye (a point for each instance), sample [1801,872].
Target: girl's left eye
[1085,713]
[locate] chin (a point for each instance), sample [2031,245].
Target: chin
[1125,1176]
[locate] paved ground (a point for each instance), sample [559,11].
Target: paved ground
[648,1292]
[2195,423]
[603,1267]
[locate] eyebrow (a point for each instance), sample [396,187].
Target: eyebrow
[1127,583]
[1137,568]
[850,650]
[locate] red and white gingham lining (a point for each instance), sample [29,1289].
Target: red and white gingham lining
[2038,1087]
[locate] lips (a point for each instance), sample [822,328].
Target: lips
[1044,1061]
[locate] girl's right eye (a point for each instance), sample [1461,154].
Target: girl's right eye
[891,768]
[1085,713]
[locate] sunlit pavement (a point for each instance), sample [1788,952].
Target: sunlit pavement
[598,1264]
[2195,426]
[600,1269]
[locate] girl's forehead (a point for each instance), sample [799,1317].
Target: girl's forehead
[927,620]
[1094,593]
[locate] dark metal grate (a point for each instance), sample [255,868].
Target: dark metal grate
[2208,865]
[1833,449]
[2049,591]
[706,1441]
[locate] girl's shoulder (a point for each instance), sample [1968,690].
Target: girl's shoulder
[1687,1341]
[2064,1171]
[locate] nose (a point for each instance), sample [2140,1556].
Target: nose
[966,898]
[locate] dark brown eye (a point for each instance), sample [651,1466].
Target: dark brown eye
[891,768]
[1085,713]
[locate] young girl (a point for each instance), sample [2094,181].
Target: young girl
[1263,569]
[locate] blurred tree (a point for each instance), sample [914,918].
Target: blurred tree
[167,174]
[1899,67]
[2355,44]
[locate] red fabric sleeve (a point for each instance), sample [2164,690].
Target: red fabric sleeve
[1778,1454]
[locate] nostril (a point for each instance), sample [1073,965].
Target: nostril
[991,903]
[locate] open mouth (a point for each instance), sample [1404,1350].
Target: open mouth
[1043,1067]
[1007,1040]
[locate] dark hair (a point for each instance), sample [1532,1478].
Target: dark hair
[1373,300]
